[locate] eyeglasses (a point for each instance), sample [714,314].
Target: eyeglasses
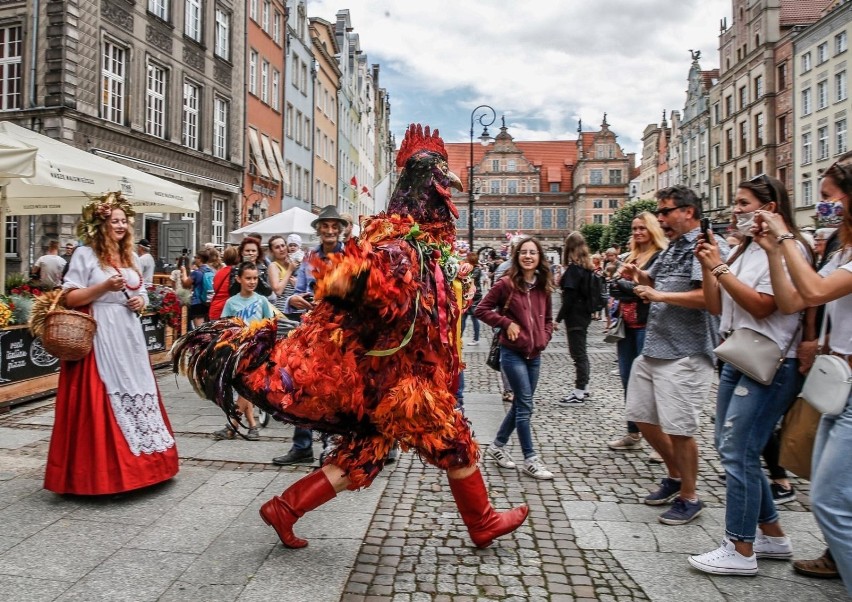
[666,210]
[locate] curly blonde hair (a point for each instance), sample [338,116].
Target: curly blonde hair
[93,229]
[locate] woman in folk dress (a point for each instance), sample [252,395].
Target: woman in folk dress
[111,433]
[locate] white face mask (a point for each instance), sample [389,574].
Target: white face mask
[745,221]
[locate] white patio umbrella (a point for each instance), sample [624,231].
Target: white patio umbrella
[65,178]
[293,221]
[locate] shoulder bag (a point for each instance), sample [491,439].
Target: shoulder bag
[829,380]
[616,332]
[755,355]
[493,359]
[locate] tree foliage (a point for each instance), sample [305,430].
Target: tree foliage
[618,231]
[592,233]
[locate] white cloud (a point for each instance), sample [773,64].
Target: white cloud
[541,63]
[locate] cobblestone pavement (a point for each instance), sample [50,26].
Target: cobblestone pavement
[198,537]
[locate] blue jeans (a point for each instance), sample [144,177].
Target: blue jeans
[746,415]
[629,348]
[302,439]
[472,319]
[831,488]
[523,377]
[460,392]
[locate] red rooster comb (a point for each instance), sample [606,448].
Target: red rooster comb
[417,139]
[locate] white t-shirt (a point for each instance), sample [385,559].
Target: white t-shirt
[50,269]
[752,269]
[146,263]
[840,340]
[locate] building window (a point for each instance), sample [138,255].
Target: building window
[546,219]
[495,187]
[10,68]
[758,87]
[597,218]
[554,187]
[223,34]
[615,176]
[613,203]
[155,101]
[159,8]
[528,219]
[288,121]
[822,143]
[511,186]
[729,143]
[253,9]
[729,105]
[252,72]
[307,140]
[276,26]
[806,62]
[758,130]
[294,75]
[822,94]
[822,53]
[561,219]
[840,92]
[743,101]
[303,85]
[12,235]
[595,176]
[782,76]
[597,204]
[716,156]
[264,23]
[264,81]
[807,194]
[840,42]
[807,149]
[783,129]
[511,165]
[220,128]
[743,137]
[192,24]
[218,231]
[840,136]
[112,82]
[276,89]
[495,165]
[512,219]
[297,126]
[191,102]
[494,219]
[717,113]
[806,102]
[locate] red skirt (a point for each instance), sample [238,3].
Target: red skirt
[88,452]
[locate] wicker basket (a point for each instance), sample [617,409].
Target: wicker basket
[68,334]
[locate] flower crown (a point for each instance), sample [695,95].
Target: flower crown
[98,211]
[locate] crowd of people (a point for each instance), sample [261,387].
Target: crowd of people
[679,291]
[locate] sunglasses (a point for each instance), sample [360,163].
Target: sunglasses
[665,212]
[762,178]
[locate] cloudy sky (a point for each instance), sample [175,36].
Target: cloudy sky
[541,63]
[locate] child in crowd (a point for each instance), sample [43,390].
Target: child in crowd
[249,307]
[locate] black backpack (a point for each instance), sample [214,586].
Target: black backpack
[597,293]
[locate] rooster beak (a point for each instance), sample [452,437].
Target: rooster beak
[455,182]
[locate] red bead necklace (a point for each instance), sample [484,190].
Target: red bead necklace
[127,284]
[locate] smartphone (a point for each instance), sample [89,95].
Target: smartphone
[705,225]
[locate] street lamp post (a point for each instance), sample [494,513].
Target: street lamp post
[485,118]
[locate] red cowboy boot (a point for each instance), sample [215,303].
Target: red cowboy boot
[483,523]
[282,511]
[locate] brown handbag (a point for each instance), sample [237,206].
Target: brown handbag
[798,432]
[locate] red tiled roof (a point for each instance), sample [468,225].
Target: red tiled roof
[802,12]
[708,78]
[548,155]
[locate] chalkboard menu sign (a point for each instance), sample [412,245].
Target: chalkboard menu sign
[155,332]
[23,357]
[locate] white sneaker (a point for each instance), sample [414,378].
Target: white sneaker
[536,469]
[501,456]
[725,560]
[473,343]
[777,548]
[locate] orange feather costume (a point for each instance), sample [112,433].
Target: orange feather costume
[378,358]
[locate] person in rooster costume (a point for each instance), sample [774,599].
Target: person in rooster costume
[376,360]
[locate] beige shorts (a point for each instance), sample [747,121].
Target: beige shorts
[669,393]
